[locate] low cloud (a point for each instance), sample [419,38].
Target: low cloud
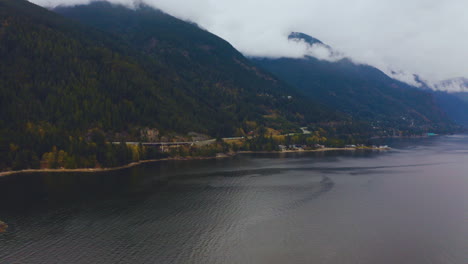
[317,50]
[453,85]
[403,76]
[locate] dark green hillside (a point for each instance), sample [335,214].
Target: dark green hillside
[66,87]
[361,91]
[75,78]
[205,66]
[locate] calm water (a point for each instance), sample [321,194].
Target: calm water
[409,205]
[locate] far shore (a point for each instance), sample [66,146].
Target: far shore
[133,164]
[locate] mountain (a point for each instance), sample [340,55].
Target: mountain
[361,91]
[449,97]
[298,36]
[132,69]
[455,107]
[169,74]
[73,77]
[204,66]
[452,96]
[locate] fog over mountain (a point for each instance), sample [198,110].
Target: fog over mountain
[402,38]
[453,85]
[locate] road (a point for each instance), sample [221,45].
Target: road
[197,143]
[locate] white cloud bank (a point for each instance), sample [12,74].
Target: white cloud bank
[425,37]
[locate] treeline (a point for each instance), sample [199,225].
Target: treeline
[46,146]
[265,142]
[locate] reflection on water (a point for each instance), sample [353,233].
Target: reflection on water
[403,206]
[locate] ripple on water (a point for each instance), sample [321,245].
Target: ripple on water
[406,206]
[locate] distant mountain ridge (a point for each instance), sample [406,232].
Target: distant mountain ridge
[358,90]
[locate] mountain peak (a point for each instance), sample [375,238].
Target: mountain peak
[298,36]
[316,48]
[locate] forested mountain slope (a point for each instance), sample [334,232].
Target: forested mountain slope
[61,80]
[359,90]
[75,77]
[203,66]
[455,107]
[66,88]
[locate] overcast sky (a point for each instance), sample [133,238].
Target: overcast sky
[426,37]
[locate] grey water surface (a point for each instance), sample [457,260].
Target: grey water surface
[407,205]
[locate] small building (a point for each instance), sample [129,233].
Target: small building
[282,147]
[295,147]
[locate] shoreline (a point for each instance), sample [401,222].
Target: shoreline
[133,164]
[94,170]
